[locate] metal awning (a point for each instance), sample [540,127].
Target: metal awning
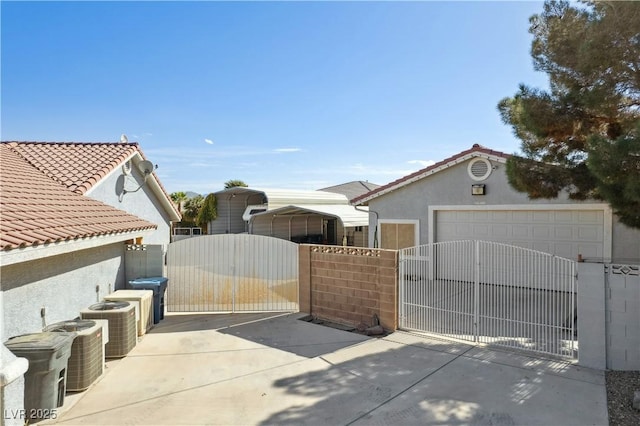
[348,215]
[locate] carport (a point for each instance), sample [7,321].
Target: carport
[314,223]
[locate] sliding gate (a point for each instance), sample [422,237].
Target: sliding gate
[232,273]
[487,292]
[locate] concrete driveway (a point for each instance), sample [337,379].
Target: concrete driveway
[261,369]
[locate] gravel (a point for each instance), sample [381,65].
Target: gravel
[621,386]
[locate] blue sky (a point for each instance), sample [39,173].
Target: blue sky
[277,94]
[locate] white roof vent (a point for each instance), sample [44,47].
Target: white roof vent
[479,169]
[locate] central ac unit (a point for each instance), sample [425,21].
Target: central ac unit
[122,325]
[86,362]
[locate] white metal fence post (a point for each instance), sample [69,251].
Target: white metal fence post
[476,292]
[402,283]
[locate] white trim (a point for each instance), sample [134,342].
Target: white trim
[430,171]
[605,208]
[18,255]
[415,222]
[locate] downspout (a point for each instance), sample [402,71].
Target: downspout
[375,228]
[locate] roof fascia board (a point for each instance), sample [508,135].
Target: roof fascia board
[19,255]
[430,172]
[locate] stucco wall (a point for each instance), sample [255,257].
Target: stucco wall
[142,203]
[452,186]
[62,284]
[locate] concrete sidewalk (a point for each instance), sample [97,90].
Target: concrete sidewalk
[260,369]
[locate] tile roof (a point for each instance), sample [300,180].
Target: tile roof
[475,149]
[81,165]
[78,166]
[37,209]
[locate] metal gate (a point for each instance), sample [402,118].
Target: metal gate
[487,292]
[232,273]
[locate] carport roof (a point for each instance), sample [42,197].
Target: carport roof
[277,198]
[347,214]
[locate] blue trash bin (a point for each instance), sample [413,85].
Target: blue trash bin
[159,286]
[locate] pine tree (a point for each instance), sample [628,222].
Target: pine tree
[581,136]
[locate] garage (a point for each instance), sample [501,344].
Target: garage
[560,230]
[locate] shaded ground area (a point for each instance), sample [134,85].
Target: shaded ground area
[620,388]
[261,369]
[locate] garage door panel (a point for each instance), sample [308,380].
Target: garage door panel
[563,216]
[520,231]
[541,246]
[564,233]
[588,250]
[563,250]
[540,232]
[540,216]
[499,216]
[592,217]
[501,231]
[480,231]
[521,216]
[589,234]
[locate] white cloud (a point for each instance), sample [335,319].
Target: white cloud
[209,141]
[287,150]
[422,163]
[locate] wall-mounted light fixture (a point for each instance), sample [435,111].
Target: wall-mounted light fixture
[146,168]
[478,189]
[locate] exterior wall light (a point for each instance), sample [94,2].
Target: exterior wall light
[478,189]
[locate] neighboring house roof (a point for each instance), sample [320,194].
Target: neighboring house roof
[36,209]
[276,198]
[347,214]
[80,166]
[353,189]
[475,151]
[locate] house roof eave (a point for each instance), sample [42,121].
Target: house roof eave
[475,152]
[40,251]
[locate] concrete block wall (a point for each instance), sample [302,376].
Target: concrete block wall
[143,260]
[622,298]
[349,285]
[609,316]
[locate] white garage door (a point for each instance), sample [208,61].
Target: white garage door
[564,233]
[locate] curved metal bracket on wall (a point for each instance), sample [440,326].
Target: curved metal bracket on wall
[146,168]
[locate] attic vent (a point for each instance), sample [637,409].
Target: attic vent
[479,169]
